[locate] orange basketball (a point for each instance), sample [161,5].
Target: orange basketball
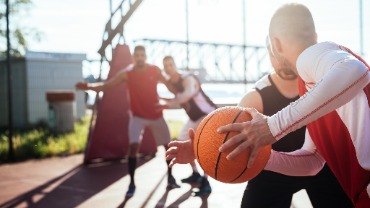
[207,143]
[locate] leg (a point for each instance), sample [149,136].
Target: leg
[204,188]
[162,136]
[269,190]
[195,177]
[132,158]
[136,127]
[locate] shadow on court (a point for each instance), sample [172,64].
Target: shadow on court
[74,186]
[65,182]
[163,200]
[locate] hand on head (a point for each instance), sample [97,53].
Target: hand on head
[254,134]
[181,152]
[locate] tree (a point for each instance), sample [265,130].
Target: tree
[19,33]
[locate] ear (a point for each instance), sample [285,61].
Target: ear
[276,45]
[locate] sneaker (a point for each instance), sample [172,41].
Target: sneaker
[194,178]
[204,188]
[172,183]
[131,190]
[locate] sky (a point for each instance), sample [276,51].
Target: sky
[77,26]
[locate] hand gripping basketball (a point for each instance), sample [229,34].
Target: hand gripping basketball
[207,143]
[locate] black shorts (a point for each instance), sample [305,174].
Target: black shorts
[270,189]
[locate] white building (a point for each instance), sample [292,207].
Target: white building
[33,76]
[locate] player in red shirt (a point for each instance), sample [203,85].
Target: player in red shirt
[142,80]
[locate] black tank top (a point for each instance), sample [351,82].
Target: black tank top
[192,107]
[273,101]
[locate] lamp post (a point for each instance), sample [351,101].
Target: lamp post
[244,43]
[8,65]
[187,32]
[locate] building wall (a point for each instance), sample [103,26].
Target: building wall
[33,76]
[48,72]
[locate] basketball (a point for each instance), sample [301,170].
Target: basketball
[207,142]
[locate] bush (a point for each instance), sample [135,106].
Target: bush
[40,142]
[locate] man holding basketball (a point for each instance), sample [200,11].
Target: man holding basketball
[142,80]
[334,104]
[196,104]
[272,93]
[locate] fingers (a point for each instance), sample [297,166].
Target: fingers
[239,149]
[170,156]
[232,127]
[191,134]
[174,144]
[231,142]
[172,150]
[172,163]
[253,156]
[254,113]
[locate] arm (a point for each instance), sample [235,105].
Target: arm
[182,152]
[306,161]
[303,162]
[348,75]
[191,87]
[334,87]
[101,86]
[252,100]
[163,80]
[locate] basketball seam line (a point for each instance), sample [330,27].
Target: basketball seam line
[201,131]
[246,167]
[226,136]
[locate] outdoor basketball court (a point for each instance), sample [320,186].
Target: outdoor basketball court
[65,182]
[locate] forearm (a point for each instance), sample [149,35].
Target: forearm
[97,87]
[338,86]
[181,98]
[191,88]
[298,163]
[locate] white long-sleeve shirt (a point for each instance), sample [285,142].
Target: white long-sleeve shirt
[337,84]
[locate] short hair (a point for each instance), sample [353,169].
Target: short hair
[139,48]
[293,21]
[168,58]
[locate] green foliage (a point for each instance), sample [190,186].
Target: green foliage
[41,142]
[19,33]
[175,127]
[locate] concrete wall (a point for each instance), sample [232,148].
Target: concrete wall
[52,71]
[33,76]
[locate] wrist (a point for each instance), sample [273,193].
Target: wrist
[271,123]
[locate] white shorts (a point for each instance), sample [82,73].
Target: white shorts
[184,134]
[158,128]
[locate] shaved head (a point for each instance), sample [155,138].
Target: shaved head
[291,31]
[293,22]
